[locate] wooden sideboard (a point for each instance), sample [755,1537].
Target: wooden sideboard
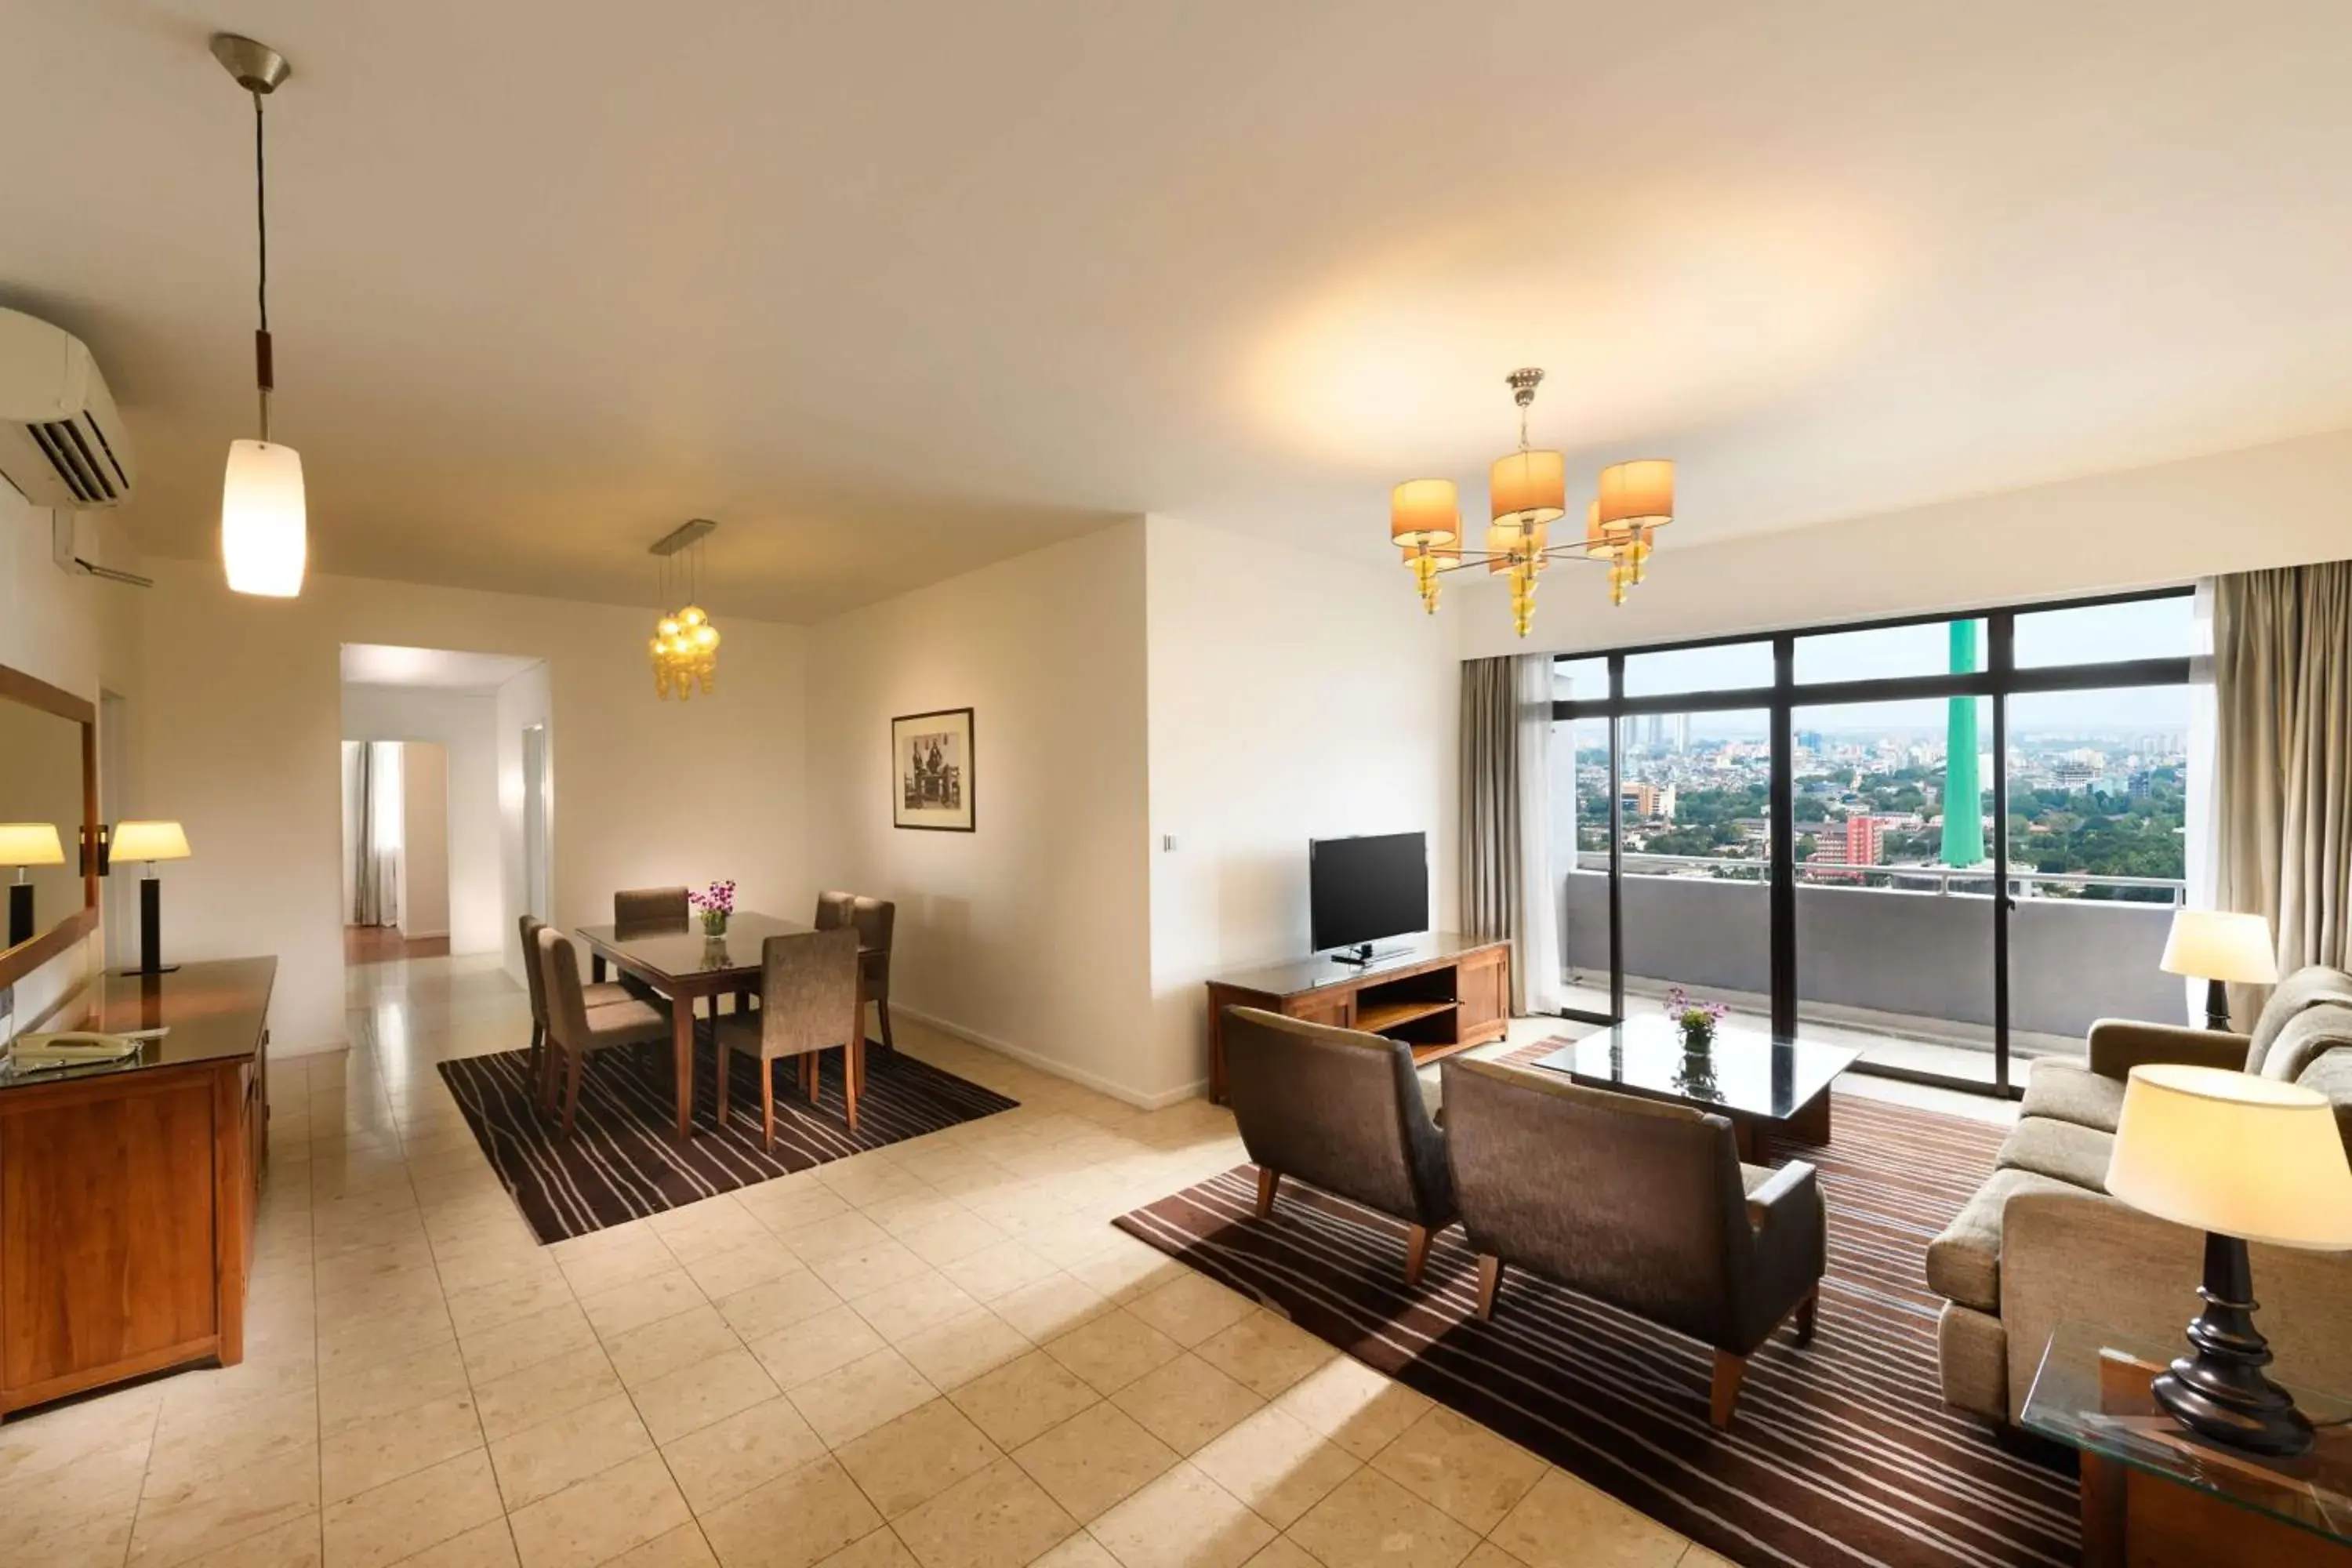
[1441,993]
[127,1192]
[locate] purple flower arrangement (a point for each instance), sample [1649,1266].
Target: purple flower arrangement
[1696,1020]
[714,903]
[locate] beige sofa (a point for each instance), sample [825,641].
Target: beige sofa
[2042,1242]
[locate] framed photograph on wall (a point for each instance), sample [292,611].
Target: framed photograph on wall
[931,771]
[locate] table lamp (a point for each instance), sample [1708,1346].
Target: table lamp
[2217,947]
[2241,1158]
[23,844]
[151,842]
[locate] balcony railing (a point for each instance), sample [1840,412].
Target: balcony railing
[1948,881]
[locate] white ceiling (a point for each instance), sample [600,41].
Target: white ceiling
[434,669]
[895,288]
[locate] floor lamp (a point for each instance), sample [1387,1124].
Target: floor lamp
[150,842]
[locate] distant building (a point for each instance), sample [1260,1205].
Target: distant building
[2073,774]
[1648,801]
[1682,734]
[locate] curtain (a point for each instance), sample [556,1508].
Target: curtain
[1503,863]
[375,874]
[2283,759]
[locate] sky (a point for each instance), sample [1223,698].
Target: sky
[2146,628]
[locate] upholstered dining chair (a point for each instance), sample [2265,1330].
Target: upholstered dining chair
[650,908]
[1342,1111]
[596,993]
[835,908]
[1643,1205]
[576,1031]
[875,920]
[808,1004]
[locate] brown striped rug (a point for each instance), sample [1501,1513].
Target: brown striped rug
[623,1161]
[1843,1454]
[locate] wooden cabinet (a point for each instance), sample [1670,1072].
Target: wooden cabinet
[127,1194]
[1441,993]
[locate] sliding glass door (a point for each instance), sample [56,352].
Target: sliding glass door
[1938,840]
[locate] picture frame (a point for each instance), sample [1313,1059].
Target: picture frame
[932,773]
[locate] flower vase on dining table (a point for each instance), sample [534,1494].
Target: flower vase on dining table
[714,904]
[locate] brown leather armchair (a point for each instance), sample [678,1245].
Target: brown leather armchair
[1342,1110]
[1643,1205]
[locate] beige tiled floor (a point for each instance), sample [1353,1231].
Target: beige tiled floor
[938,1354]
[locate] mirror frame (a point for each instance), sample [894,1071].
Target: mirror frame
[17,962]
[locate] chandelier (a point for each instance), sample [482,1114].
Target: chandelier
[1526,492]
[685,646]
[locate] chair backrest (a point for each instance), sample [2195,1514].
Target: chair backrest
[874,919]
[835,908]
[808,992]
[534,975]
[1336,1107]
[567,1009]
[2313,985]
[1634,1201]
[650,908]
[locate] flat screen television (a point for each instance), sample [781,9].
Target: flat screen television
[1362,890]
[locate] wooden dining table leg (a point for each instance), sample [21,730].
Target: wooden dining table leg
[681,1040]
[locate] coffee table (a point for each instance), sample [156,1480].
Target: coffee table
[2156,1496]
[1761,1084]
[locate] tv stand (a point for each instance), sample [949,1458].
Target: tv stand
[1440,994]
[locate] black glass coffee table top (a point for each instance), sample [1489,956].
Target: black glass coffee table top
[1745,1073]
[2092,1393]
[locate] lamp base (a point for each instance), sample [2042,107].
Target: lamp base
[20,912]
[2217,1005]
[2218,1391]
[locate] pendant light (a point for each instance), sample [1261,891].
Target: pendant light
[265,536]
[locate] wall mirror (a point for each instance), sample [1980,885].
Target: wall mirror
[48,811]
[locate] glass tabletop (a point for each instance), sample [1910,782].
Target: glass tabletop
[1743,1071]
[662,953]
[2092,1393]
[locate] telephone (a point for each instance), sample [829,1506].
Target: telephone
[77,1047]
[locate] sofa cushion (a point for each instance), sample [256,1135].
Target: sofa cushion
[2306,1037]
[2330,1073]
[2066,1090]
[2059,1149]
[1964,1263]
[2310,986]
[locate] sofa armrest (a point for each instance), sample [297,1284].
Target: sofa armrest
[2120,1044]
[1791,1191]
[2094,1259]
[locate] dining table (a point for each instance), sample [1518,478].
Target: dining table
[688,965]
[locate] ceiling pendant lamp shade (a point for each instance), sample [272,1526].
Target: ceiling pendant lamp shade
[264,523]
[1638,496]
[1526,489]
[1424,512]
[265,541]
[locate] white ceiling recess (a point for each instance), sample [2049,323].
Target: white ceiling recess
[429,668]
[897,288]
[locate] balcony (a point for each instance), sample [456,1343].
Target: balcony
[1896,961]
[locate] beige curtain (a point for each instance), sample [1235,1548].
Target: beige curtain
[2283,759]
[1506,887]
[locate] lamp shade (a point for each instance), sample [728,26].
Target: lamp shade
[265,539]
[2235,1153]
[1527,489]
[30,844]
[1425,511]
[1638,495]
[148,841]
[2214,944]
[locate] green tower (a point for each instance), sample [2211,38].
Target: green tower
[1963,794]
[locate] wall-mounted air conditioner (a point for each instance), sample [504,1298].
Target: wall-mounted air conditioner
[62,444]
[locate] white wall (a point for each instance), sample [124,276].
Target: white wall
[524,701]
[1302,699]
[243,701]
[424,839]
[2280,505]
[465,724]
[1034,932]
[81,635]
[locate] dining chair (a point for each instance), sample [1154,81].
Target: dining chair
[650,908]
[808,1004]
[578,1031]
[596,993]
[875,920]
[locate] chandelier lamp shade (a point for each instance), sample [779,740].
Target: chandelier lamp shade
[1526,492]
[264,531]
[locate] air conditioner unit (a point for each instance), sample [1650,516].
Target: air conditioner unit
[62,443]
